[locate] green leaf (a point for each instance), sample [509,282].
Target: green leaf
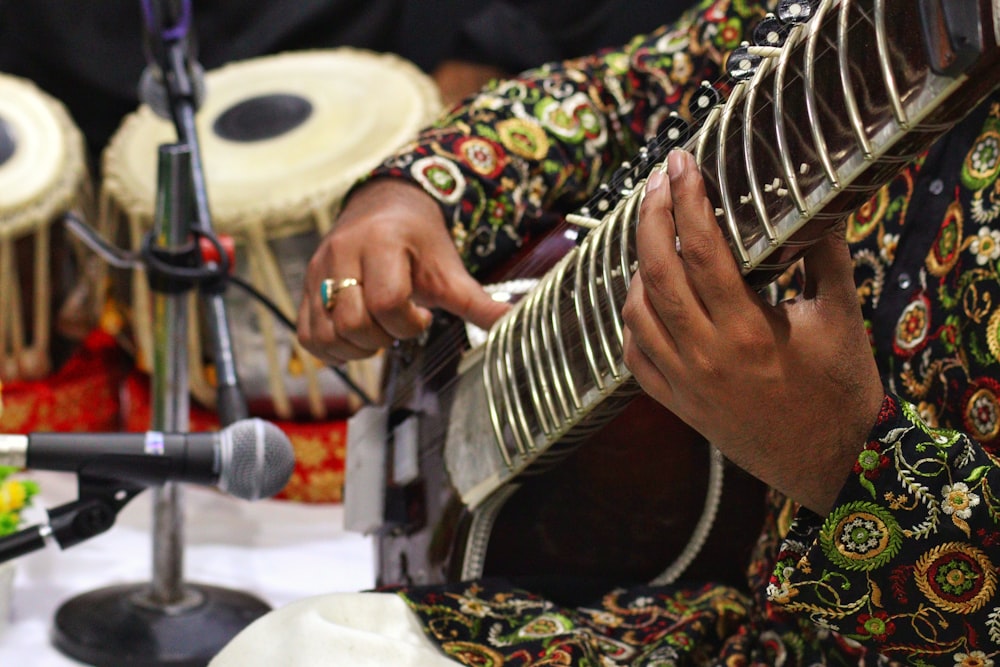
[977,474]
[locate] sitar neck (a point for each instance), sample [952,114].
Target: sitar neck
[818,125]
[808,132]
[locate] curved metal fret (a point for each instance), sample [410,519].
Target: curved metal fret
[549,346]
[721,167]
[701,143]
[515,408]
[812,107]
[753,180]
[508,390]
[618,228]
[492,398]
[627,263]
[882,44]
[850,99]
[537,384]
[595,282]
[558,280]
[784,150]
[555,357]
[609,274]
[579,290]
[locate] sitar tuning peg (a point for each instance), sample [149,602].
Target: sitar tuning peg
[741,64]
[703,101]
[796,11]
[675,132]
[624,177]
[771,31]
[604,199]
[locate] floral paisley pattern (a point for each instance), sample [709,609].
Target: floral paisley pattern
[956,577]
[983,162]
[982,409]
[868,217]
[913,326]
[860,536]
[904,568]
[948,243]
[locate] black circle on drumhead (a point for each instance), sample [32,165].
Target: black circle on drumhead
[262,117]
[8,146]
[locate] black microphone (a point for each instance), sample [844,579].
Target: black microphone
[249,459]
[169,46]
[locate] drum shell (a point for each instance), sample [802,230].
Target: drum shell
[48,282]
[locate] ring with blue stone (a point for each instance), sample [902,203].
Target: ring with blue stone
[329,289]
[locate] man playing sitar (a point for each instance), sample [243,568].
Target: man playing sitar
[861,384]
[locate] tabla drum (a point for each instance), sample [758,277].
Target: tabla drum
[43,176]
[282,138]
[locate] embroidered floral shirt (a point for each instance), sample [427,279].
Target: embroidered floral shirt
[905,565]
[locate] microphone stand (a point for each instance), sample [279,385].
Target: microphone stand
[167,622]
[164,622]
[179,79]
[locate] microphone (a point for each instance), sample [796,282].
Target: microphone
[249,459]
[170,54]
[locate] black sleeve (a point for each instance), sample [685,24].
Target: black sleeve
[518,34]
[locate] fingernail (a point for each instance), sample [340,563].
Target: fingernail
[677,162]
[655,181]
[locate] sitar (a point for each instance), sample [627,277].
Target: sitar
[533,454]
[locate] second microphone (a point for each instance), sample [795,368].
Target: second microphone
[250,459]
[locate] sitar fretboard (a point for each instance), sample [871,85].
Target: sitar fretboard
[808,132]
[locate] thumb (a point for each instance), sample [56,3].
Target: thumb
[466,298]
[829,269]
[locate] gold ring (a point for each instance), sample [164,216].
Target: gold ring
[329,288]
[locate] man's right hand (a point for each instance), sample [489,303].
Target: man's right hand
[392,238]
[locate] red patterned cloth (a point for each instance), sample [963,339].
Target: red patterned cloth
[99,390]
[80,396]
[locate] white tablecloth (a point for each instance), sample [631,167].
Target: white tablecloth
[277,550]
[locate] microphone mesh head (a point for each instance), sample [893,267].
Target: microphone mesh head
[257,459]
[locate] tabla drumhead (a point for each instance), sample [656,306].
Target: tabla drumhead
[41,154]
[280,131]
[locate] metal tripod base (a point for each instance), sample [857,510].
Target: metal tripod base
[118,626]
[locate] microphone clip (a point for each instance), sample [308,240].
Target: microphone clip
[173,76]
[92,513]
